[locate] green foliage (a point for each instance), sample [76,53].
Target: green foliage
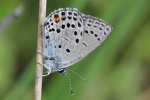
[118,70]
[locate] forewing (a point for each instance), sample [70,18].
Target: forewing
[63,31]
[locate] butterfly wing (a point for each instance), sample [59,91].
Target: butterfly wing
[96,31]
[63,31]
[70,36]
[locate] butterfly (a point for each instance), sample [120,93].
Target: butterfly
[69,36]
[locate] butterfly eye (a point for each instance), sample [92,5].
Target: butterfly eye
[63,71]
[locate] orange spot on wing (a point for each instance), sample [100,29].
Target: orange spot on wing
[57,19]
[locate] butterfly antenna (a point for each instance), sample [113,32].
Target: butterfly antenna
[78,75]
[71,90]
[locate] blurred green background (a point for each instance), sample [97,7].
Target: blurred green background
[118,70]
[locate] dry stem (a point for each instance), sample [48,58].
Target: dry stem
[39,59]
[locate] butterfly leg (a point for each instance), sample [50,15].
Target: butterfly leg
[48,70]
[39,63]
[41,54]
[38,52]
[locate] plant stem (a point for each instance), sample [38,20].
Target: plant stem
[39,59]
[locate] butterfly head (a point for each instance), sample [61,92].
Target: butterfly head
[63,71]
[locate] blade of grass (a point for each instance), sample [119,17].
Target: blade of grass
[26,79]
